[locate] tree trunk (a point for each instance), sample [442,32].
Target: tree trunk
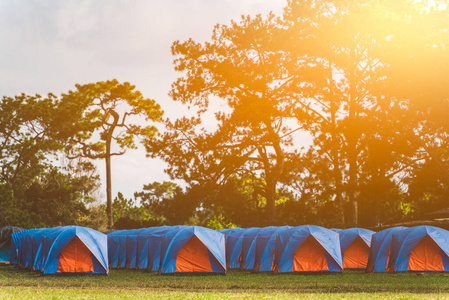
[108,139]
[109,186]
[271,201]
[335,144]
[351,150]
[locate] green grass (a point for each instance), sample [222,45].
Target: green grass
[130,284]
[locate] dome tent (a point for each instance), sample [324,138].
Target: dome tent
[76,250]
[308,248]
[355,246]
[69,249]
[380,250]
[420,248]
[193,249]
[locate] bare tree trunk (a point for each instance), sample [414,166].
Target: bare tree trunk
[109,186]
[108,139]
[271,201]
[335,153]
[352,151]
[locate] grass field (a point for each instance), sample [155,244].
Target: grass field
[130,284]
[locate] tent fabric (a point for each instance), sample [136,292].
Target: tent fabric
[137,248]
[68,249]
[234,245]
[265,250]
[380,249]
[6,255]
[179,244]
[355,246]
[250,243]
[426,256]
[249,248]
[356,255]
[420,248]
[308,248]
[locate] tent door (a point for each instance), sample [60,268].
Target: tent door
[310,256]
[75,258]
[426,256]
[193,257]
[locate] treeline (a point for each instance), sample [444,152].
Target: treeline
[364,82]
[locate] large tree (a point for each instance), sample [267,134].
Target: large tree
[105,122]
[32,181]
[337,69]
[244,69]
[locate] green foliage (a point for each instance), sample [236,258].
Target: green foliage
[34,191]
[128,215]
[100,108]
[334,70]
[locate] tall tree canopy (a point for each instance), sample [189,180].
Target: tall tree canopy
[348,73]
[103,113]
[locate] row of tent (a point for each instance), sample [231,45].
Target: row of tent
[307,248]
[194,249]
[304,248]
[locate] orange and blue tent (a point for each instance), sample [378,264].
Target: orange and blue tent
[421,248]
[76,250]
[307,248]
[193,249]
[265,249]
[380,250]
[69,249]
[234,245]
[355,246]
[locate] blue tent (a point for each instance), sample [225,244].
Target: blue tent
[6,255]
[421,248]
[234,245]
[355,244]
[265,246]
[22,246]
[193,249]
[136,248]
[307,248]
[117,241]
[380,249]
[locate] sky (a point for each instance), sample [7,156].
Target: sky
[51,45]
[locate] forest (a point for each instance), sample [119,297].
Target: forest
[335,113]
